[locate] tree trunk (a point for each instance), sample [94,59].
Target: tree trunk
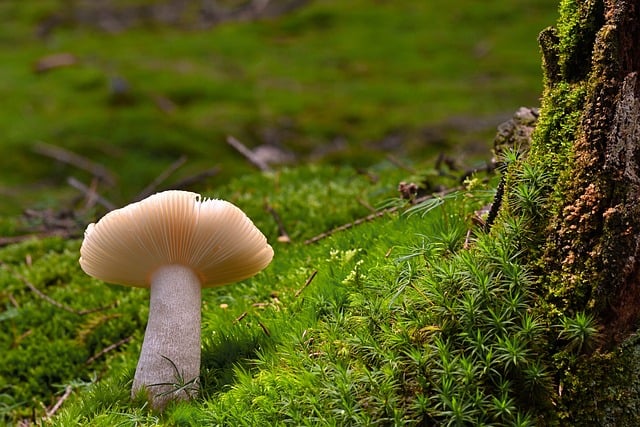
[588,141]
[594,240]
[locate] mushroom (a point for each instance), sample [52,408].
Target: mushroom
[175,243]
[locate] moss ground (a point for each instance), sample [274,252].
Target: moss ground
[409,319]
[414,318]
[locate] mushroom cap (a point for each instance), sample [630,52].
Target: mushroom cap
[212,237]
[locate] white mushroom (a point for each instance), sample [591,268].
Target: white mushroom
[174,242]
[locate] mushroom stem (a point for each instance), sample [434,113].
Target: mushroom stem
[169,364]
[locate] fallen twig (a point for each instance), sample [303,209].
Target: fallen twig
[13,301]
[95,310]
[107,349]
[248,154]
[50,300]
[53,61]
[349,225]
[91,197]
[65,156]
[149,189]
[283,236]
[194,179]
[49,220]
[9,240]
[41,294]
[90,193]
[376,215]
[488,167]
[309,280]
[264,328]
[447,161]
[400,164]
[467,240]
[114,18]
[239,318]
[366,204]
[51,412]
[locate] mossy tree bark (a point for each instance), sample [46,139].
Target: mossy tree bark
[588,142]
[589,135]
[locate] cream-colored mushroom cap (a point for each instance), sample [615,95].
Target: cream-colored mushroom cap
[212,237]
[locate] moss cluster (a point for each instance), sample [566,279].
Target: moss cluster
[55,324]
[608,380]
[409,319]
[583,227]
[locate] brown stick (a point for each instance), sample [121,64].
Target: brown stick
[92,197]
[283,236]
[309,280]
[242,316]
[4,241]
[107,349]
[95,310]
[350,225]
[248,154]
[51,412]
[13,301]
[50,300]
[49,220]
[90,193]
[41,294]
[53,61]
[376,215]
[366,204]
[399,163]
[65,156]
[264,328]
[194,179]
[149,189]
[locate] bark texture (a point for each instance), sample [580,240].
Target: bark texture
[588,245]
[592,252]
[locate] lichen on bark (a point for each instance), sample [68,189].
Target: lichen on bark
[588,139]
[592,243]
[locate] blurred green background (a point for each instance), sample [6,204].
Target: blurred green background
[143,83]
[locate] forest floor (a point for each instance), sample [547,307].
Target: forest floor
[336,103]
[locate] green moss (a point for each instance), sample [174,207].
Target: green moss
[403,322]
[558,125]
[603,389]
[573,249]
[47,339]
[541,178]
[53,337]
[578,25]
